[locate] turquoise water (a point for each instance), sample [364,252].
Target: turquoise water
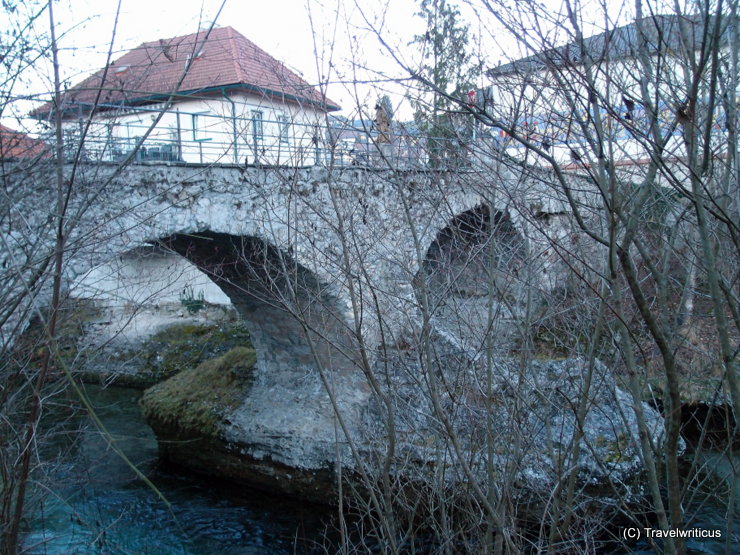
[100,506]
[97,504]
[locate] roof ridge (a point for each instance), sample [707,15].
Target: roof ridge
[209,32]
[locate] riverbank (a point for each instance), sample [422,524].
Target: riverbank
[223,452]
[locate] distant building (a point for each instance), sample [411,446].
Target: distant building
[231,102]
[546,97]
[362,142]
[15,145]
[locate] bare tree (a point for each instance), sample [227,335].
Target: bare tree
[35,257]
[615,230]
[625,130]
[635,122]
[643,114]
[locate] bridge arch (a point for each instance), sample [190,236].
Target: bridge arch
[292,318]
[477,263]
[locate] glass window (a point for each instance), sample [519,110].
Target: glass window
[257,130]
[199,126]
[283,128]
[196,126]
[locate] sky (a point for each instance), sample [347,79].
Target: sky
[279,26]
[326,41]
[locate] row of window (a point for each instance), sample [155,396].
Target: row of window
[199,125]
[555,128]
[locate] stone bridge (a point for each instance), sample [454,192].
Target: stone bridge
[296,250]
[331,269]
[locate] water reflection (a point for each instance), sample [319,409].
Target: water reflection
[99,505]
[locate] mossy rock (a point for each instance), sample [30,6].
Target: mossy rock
[187,345]
[196,399]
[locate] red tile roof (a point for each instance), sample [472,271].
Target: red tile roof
[223,58]
[15,145]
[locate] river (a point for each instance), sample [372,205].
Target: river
[99,505]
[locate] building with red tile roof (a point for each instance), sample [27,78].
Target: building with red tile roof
[223,98]
[199,64]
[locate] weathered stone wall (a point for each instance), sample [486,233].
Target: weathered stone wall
[146,276]
[360,234]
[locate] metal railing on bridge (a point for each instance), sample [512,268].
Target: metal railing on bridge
[148,135]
